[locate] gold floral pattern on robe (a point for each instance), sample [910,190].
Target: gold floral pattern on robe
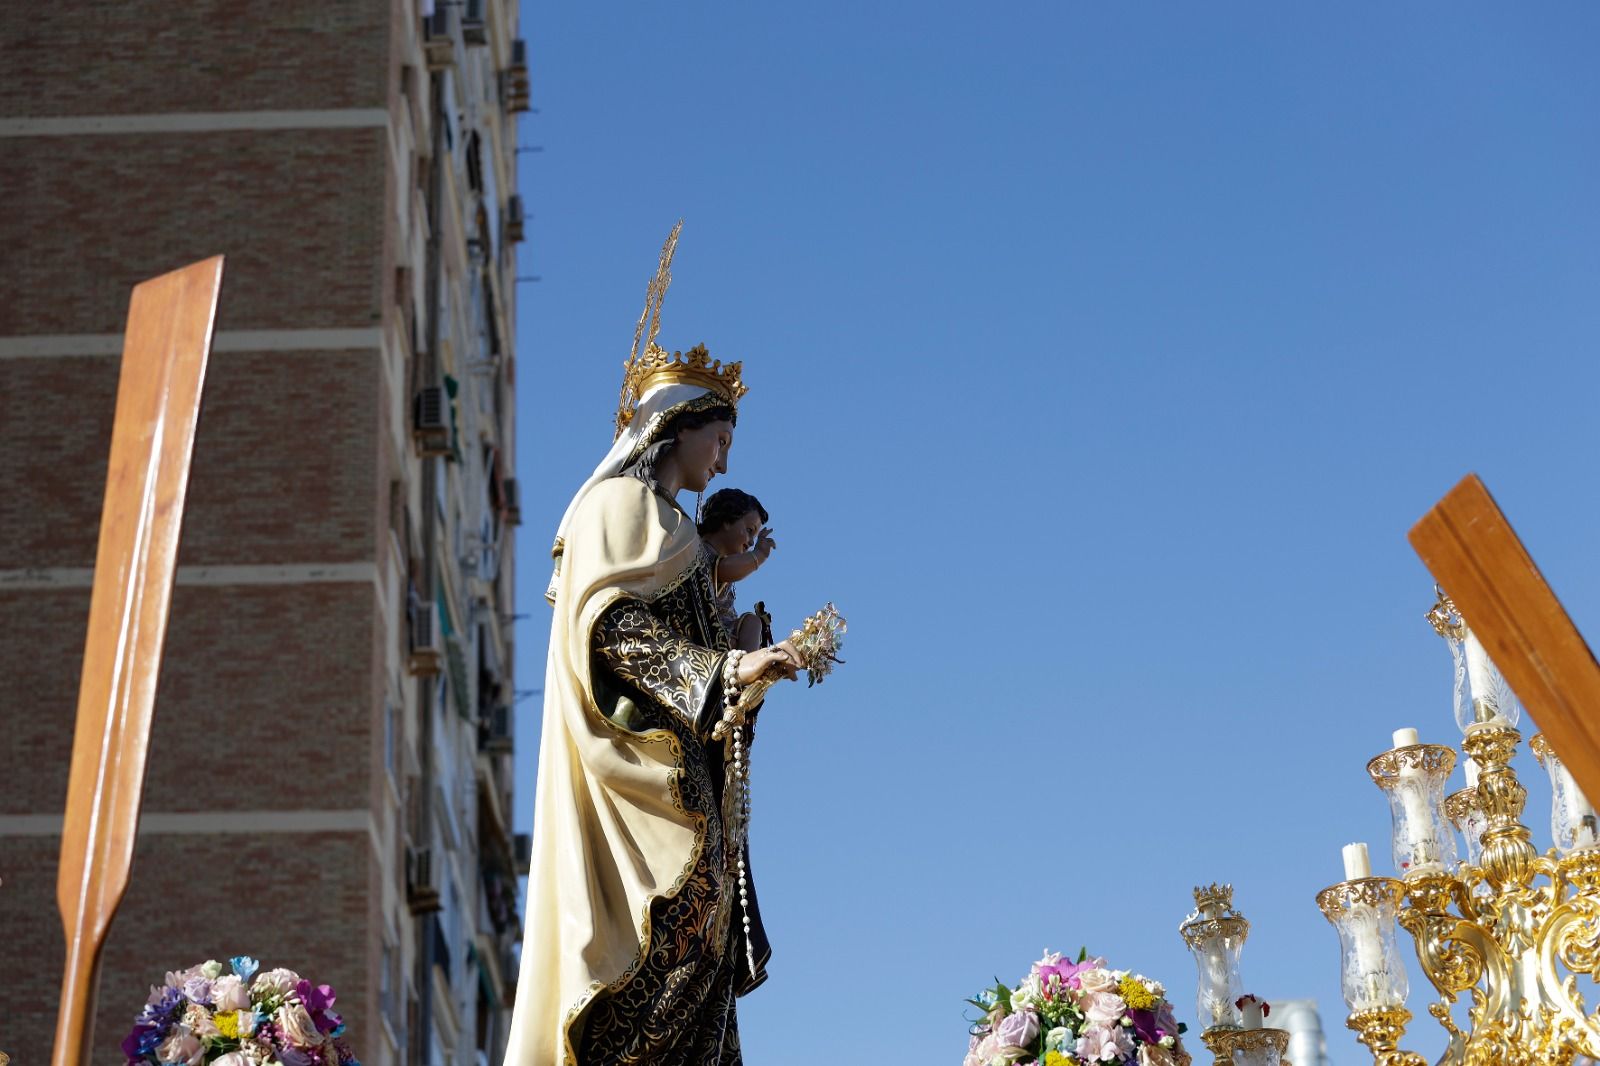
[658,665]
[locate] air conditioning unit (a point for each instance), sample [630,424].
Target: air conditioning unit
[430,421]
[522,844]
[496,732]
[438,43]
[474,26]
[424,652]
[513,501]
[514,226]
[516,89]
[422,881]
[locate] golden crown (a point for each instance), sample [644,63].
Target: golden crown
[654,366]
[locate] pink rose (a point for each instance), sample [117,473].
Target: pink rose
[229,993]
[181,1047]
[987,1051]
[232,1058]
[973,1058]
[1103,1008]
[1102,1043]
[1015,1033]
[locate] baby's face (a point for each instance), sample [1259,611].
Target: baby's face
[739,535]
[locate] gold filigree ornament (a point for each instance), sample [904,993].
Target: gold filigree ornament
[1225,1044]
[652,365]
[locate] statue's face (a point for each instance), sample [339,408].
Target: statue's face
[738,535]
[702,454]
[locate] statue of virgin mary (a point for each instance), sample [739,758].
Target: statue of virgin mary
[641,927]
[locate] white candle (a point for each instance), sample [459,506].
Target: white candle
[1367,947]
[1472,773]
[1252,1014]
[1580,814]
[1357,863]
[1413,789]
[1480,673]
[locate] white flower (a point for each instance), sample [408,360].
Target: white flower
[198,1019]
[212,969]
[1169,1041]
[1027,994]
[1056,1039]
[1151,985]
[1097,980]
[275,983]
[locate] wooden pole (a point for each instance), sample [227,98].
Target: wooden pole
[164,354]
[1480,562]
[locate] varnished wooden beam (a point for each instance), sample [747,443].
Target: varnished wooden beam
[164,355]
[1477,558]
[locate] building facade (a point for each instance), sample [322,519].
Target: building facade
[329,783]
[1308,1046]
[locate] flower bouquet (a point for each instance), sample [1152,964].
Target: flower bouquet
[1071,1013]
[203,1015]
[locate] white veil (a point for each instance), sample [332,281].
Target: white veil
[658,406]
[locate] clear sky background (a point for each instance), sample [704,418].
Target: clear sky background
[1101,356]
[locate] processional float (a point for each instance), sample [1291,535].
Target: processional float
[165,351]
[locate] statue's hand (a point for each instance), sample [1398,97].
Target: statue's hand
[781,656]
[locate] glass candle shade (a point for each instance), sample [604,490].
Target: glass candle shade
[1372,972]
[1467,816]
[1413,778]
[1215,934]
[1573,824]
[1481,693]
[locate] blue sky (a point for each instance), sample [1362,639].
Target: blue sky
[1101,356]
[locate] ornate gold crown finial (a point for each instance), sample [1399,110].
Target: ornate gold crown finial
[1213,900]
[651,364]
[1445,619]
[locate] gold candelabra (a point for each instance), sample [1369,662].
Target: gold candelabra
[1507,927]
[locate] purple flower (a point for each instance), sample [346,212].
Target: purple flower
[141,1042]
[1145,1025]
[1069,971]
[318,1002]
[197,987]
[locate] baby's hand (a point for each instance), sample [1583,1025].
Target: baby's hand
[765,545]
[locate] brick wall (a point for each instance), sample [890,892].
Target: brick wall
[300,214]
[285,463]
[303,900]
[104,57]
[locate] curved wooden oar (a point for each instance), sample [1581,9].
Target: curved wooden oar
[1469,545]
[164,356]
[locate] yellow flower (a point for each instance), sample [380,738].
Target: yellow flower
[228,1024]
[1136,995]
[1056,1058]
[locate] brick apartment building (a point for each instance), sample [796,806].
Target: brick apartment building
[329,782]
